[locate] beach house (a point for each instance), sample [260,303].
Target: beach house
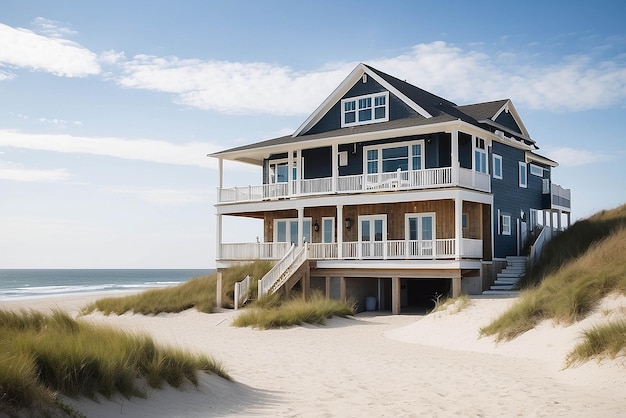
[392,195]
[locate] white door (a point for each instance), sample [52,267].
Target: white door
[372,236]
[420,234]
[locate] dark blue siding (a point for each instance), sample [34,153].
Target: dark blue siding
[332,119]
[510,199]
[317,163]
[506,119]
[465,150]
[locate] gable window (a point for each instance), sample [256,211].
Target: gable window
[365,109]
[480,155]
[535,170]
[523,176]
[497,166]
[389,158]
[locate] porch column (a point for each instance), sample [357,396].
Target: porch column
[458,227]
[220,173]
[456,285]
[395,296]
[299,174]
[455,157]
[300,227]
[559,215]
[339,226]
[335,166]
[342,289]
[327,279]
[568,219]
[218,237]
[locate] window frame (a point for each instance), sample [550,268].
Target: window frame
[480,151]
[371,106]
[523,179]
[496,157]
[288,224]
[380,160]
[538,170]
[505,229]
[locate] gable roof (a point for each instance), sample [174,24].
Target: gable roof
[430,109]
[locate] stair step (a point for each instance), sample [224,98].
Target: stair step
[509,276]
[505,282]
[501,292]
[502,287]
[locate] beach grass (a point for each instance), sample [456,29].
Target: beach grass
[43,355]
[198,293]
[573,290]
[453,305]
[271,312]
[602,341]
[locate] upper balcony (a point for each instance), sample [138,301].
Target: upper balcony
[556,197]
[362,183]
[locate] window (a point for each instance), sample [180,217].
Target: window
[420,231]
[523,177]
[286,230]
[361,110]
[464,221]
[535,170]
[328,230]
[497,166]
[387,159]
[505,224]
[480,156]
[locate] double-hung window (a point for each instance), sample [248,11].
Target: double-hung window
[497,166]
[480,155]
[505,224]
[523,175]
[361,110]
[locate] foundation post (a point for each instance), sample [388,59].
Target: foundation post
[342,289]
[456,287]
[395,296]
[327,287]
[218,290]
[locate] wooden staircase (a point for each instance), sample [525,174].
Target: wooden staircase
[506,281]
[287,272]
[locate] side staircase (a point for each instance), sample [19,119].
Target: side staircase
[506,280]
[287,272]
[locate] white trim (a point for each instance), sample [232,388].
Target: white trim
[509,108]
[332,229]
[523,184]
[498,158]
[372,108]
[504,230]
[381,147]
[538,170]
[288,231]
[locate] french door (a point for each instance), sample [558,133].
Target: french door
[420,234]
[372,236]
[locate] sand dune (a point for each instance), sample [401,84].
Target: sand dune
[374,365]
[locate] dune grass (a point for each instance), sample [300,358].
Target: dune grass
[198,293]
[453,305]
[602,341]
[42,355]
[584,277]
[271,312]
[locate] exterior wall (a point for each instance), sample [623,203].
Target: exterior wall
[506,119]
[332,119]
[317,162]
[511,199]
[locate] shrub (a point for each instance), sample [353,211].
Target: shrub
[607,340]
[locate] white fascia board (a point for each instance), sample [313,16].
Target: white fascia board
[355,200]
[419,109]
[511,108]
[532,157]
[330,101]
[359,265]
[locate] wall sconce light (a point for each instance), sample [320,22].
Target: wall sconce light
[316,227]
[348,223]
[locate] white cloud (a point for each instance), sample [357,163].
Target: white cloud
[16,172]
[111,57]
[25,49]
[52,28]
[461,75]
[193,154]
[572,157]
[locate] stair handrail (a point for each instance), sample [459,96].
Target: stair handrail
[266,282]
[537,248]
[299,258]
[242,290]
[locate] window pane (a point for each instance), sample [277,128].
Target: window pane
[395,152]
[282,173]
[327,224]
[365,115]
[281,231]
[293,232]
[412,228]
[365,230]
[350,117]
[379,101]
[379,113]
[427,228]
[378,230]
[306,230]
[390,166]
[365,103]
[347,106]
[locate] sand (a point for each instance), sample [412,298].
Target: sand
[373,365]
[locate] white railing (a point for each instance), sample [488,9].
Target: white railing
[242,290]
[299,258]
[253,250]
[273,275]
[561,197]
[392,249]
[474,180]
[537,248]
[403,180]
[318,251]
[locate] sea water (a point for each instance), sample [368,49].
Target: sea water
[35,283]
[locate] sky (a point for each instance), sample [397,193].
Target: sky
[109,109]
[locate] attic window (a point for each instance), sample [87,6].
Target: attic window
[361,110]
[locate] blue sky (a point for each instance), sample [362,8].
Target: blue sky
[108,109]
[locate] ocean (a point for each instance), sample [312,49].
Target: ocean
[18,284]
